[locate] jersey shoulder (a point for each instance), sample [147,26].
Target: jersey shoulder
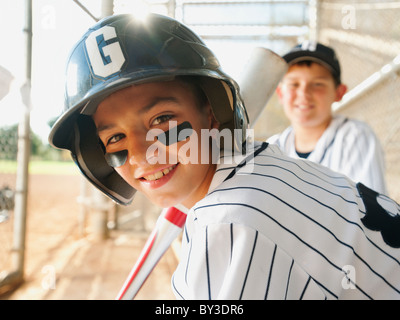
[355,128]
[280,138]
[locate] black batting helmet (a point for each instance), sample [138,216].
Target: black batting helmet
[120,51]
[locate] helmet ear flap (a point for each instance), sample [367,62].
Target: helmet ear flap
[227,108]
[241,121]
[88,154]
[221,100]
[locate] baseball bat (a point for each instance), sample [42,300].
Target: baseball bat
[168,226]
[258,81]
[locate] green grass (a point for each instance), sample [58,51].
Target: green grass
[41,167]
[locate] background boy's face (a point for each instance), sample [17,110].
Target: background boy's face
[307,93]
[124,119]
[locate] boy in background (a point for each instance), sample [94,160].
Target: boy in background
[307,92]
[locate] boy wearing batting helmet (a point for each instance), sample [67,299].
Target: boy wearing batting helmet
[307,92]
[143,101]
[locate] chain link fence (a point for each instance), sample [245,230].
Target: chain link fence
[366,36]
[8,163]
[14,144]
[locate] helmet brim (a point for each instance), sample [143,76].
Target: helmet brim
[61,134]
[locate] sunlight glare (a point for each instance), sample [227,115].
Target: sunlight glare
[139,9]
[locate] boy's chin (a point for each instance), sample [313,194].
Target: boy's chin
[163,201]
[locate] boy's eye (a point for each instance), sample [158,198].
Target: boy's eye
[115,138]
[161,119]
[292,84]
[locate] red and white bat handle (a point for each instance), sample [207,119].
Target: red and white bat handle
[166,230]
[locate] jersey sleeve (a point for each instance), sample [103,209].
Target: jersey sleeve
[362,157]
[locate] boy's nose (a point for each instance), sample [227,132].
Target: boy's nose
[140,151]
[304,91]
[137,150]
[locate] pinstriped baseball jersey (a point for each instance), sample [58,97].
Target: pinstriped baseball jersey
[281,228]
[347,146]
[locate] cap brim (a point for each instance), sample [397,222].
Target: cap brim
[312,58]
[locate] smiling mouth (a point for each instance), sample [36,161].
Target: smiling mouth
[303,107]
[159,174]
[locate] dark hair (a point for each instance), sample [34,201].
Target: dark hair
[308,63]
[193,81]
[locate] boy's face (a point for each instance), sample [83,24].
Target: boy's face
[307,93]
[123,121]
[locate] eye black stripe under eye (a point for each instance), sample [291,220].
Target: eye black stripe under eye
[172,136]
[116,159]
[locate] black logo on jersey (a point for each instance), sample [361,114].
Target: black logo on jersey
[378,219]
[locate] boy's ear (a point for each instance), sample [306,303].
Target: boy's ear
[214,124]
[340,92]
[278,91]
